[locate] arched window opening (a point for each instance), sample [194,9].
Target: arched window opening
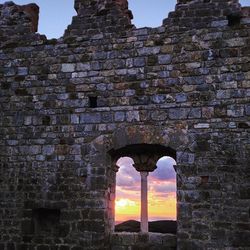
[127,202]
[162,196]
[150,13]
[134,164]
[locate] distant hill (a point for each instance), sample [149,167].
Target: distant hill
[161,226]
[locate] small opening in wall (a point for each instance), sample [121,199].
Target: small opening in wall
[92,101]
[233,19]
[46,221]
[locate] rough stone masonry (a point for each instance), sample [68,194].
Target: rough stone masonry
[71,107]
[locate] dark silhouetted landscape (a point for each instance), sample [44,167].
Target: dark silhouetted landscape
[162,226]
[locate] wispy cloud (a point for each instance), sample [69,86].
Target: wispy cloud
[166,187]
[164,170]
[127,176]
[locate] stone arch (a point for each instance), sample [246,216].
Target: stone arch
[173,139]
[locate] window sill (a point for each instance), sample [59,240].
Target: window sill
[130,239]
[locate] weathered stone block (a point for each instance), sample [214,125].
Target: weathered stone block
[133,116]
[139,62]
[90,118]
[119,116]
[181,97]
[219,23]
[82,66]
[48,150]
[148,51]
[194,113]
[184,157]
[9,71]
[202,125]
[207,112]
[235,110]
[75,119]
[22,71]
[164,59]
[178,113]
[159,115]
[68,67]
[128,239]
[34,150]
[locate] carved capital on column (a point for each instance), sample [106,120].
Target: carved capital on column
[145,162]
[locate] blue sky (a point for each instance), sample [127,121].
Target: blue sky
[56,15]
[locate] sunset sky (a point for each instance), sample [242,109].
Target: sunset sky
[56,15]
[161,191]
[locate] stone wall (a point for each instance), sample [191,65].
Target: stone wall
[151,241]
[105,85]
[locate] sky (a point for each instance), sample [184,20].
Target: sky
[56,15]
[161,191]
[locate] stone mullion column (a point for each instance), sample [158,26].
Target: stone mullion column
[144,202]
[144,163]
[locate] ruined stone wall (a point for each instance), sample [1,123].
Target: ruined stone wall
[66,103]
[127,241]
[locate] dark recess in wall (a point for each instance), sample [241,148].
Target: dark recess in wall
[92,101]
[46,221]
